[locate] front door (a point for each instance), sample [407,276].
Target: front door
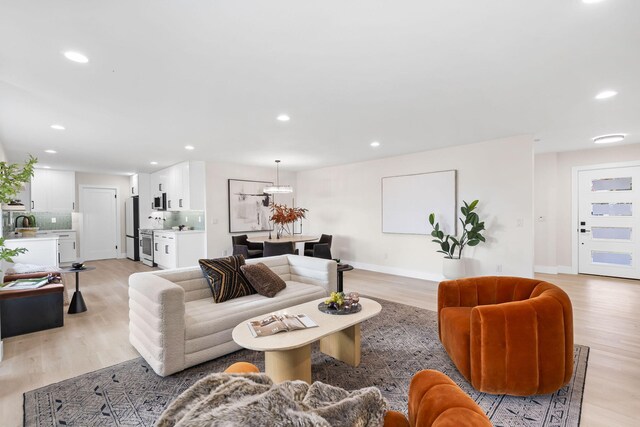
[609,222]
[99,209]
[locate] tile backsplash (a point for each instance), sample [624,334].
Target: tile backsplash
[192,219]
[44,220]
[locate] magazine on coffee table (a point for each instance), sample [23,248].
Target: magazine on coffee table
[275,323]
[25,284]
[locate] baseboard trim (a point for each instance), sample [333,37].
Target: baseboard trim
[396,271]
[550,269]
[565,269]
[546,269]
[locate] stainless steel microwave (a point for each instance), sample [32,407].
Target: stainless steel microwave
[160,202]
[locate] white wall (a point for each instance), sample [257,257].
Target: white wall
[3,155]
[345,201]
[218,174]
[553,195]
[120,182]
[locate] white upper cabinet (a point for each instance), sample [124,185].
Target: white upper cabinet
[134,189]
[159,182]
[53,191]
[185,186]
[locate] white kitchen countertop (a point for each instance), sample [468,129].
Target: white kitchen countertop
[33,239]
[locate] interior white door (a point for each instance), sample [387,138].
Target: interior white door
[99,209]
[609,222]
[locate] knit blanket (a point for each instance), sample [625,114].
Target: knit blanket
[253,400]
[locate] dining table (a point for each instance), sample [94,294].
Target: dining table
[296,238]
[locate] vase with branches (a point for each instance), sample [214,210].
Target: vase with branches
[13,176]
[284,216]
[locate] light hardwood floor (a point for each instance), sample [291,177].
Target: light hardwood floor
[606,318]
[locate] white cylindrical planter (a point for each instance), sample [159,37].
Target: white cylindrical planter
[453,268]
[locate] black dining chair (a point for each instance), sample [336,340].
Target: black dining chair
[322,250]
[279,248]
[242,246]
[308,246]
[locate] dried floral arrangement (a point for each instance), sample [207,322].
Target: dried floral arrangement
[284,216]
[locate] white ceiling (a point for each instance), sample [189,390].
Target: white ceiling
[414,75]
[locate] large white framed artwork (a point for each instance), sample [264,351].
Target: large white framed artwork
[408,200]
[249,206]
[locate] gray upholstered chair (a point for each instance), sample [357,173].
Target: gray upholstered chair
[242,246]
[279,248]
[308,246]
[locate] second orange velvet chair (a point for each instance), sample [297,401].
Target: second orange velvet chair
[507,335]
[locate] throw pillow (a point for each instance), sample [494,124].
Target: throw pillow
[225,278]
[263,279]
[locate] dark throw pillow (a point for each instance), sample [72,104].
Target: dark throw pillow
[225,278]
[263,279]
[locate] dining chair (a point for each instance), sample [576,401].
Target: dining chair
[242,246]
[308,246]
[279,248]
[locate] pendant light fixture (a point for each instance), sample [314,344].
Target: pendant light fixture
[278,189]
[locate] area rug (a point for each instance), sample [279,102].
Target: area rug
[395,344]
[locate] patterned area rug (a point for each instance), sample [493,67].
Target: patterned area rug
[395,344]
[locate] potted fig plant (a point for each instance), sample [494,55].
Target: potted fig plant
[12,178]
[451,246]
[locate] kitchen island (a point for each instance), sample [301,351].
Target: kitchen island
[41,250]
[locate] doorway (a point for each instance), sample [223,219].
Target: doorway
[609,221]
[100,237]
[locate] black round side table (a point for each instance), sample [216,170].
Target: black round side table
[77,302]
[341,269]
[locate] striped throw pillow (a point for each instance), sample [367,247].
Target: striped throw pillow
[225,278]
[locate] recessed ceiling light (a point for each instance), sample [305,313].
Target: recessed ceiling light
[609,139]
[592,1]
[50,151]
[76,57]
[606,94]
[46,167]
[57,127]
[153,163]
[189,147]
[283,118]
[375,144]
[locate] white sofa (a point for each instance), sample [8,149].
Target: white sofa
[174,322]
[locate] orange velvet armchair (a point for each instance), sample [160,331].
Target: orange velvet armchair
[507,335]
[434,400]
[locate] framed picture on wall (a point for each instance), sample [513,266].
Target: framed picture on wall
[249,206]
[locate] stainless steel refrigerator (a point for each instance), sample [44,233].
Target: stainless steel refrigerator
[132,224]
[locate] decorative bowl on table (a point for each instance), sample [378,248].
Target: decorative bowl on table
[341,303]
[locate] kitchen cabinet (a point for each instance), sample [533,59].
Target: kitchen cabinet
[67,252]
[139,185]
[175,249]
[41,250]
[159,182]
[53,191]
[133,183]
[186,186]
[25,196]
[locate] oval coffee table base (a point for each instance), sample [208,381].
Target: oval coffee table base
[343,345]
[289,365]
